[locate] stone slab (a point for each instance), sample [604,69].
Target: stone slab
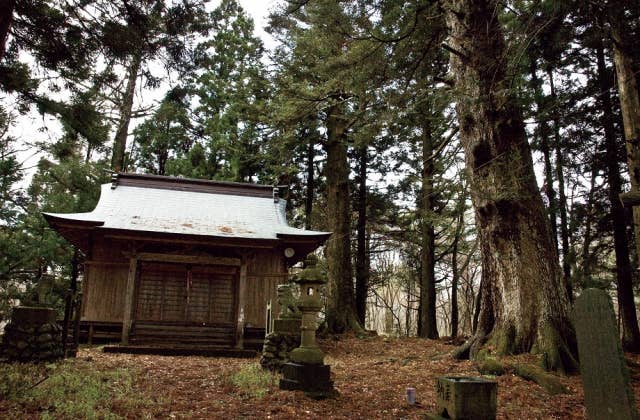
[604,372]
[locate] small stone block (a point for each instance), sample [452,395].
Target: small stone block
[466,398]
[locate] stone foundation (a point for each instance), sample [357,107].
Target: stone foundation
[276,349]
[32,335]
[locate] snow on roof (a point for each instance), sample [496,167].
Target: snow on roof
[152,209]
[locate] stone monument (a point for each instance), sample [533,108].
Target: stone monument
[605,378]
[306,371]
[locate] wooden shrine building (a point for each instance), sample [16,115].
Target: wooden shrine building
[176,261]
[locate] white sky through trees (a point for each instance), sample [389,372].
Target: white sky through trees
[34,127]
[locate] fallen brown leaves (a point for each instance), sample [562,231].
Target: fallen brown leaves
[371,376]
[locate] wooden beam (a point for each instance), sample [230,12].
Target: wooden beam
[242,297]
[188,259]
[170,238]
[106,263]
[128,300]
[630,199]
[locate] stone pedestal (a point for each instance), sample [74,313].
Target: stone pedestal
[463,397]
[315,380]
[32,335]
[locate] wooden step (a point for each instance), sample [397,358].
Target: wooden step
[207,351]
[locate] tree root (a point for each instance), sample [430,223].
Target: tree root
[546,380]
[470,348]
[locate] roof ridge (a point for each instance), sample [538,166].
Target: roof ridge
[191,184]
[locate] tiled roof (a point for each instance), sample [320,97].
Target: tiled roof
[137,208]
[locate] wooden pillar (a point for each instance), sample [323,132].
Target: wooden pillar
[90,337]
[242,293]
[128,300]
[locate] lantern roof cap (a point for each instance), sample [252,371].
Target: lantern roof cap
[311,273]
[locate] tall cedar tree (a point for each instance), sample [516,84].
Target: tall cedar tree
[626,67]
[329,75]
[135,33]
[230,85]
[622,47]
[624,276]
[524,303]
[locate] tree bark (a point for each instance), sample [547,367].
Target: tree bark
[428,327]
[524,305]
[6,19]
[118,163]
[341,314]
[624,278]
[562,198]
[629,104]
[362,271]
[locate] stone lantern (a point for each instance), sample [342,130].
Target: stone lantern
[306,371]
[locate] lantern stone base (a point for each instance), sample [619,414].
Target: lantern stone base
[313,379]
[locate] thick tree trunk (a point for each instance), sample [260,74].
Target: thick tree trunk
[118,163]
[6,19]
[341,313]
[624,278]
[543,133]
[562,198]
[629,105]
[362,266]
[428,327]
[524,305]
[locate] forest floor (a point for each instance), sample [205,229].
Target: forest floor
[371,376]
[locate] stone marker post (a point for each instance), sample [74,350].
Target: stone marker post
[607,393]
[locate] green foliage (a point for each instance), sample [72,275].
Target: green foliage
[70,389]
[254,382]
[164,139]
